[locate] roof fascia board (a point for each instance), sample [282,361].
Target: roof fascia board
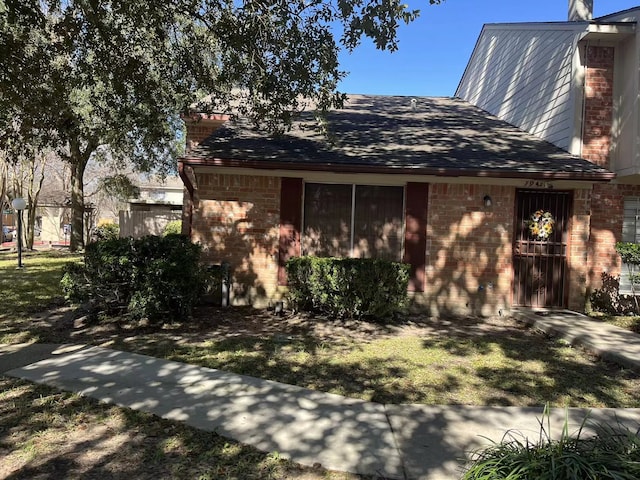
[397,180]
[436,172]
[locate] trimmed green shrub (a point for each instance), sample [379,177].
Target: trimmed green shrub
[347,287]
[174,227]
[106,231]
[611,453]
[151,277]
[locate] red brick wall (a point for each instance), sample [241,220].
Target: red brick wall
[607,201]
[607,212]
[236,219]
[200,127]
[578,249]
[598,107]
[469,248]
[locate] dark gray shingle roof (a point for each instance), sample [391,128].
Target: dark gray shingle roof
[441,136]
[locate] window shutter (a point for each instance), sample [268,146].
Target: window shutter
[415,236]
[290,224]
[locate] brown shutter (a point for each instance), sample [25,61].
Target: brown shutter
[415,237]
[290,224]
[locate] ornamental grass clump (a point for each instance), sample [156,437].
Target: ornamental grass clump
[611,453]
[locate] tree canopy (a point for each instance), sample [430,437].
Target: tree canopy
[112,77]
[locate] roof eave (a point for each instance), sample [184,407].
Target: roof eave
[391,170]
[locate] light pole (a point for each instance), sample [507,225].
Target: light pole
[19,204]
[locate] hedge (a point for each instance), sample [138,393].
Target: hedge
[151,277]
[347,287]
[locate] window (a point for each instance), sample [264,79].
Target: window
[630,233]
[353,221]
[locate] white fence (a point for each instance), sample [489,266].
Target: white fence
[138,224]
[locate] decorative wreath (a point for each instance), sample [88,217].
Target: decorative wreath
[541,224]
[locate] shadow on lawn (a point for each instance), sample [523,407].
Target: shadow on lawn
[47,434]
[541,369]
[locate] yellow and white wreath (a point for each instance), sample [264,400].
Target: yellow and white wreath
[541,224]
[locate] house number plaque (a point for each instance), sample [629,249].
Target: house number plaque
[538,184]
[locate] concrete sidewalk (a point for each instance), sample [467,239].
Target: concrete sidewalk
[391,441]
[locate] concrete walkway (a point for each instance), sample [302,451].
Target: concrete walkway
[391,441]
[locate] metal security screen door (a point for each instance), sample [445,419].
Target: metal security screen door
[540,248]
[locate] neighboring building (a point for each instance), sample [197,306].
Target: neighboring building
[575,84]
[158,203]
[434,182]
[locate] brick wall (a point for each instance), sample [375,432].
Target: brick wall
[598,107]
[236,219]
[578,249]
[469,262]
[607,214]
[201,126]
[607,201]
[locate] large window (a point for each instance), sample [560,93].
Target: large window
[353,221]
[630,233]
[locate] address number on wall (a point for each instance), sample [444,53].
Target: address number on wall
[538,184]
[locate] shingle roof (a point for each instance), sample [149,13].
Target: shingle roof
[438,136]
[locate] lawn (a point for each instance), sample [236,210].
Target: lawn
[628,322]
[46,433]
[415,359]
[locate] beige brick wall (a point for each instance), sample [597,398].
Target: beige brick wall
[236,219]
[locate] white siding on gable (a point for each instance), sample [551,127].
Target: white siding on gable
[523,75]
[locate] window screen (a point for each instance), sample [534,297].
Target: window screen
[353,220]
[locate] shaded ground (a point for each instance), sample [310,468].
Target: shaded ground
[413,360]
[47,434]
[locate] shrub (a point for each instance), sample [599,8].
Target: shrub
[149,277]
[174,227]
[611,453]
[106,231]
[608,299]
[347,287]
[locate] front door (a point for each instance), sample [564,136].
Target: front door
[540,248]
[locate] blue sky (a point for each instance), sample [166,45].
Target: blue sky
[434,49]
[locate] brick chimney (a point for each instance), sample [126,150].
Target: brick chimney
[580,10]
[200,126]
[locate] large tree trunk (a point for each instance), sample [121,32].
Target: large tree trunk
[78,161]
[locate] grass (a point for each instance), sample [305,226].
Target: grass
[29,290]
[628,322]
[419,360]
[34,287]
[612,452]
[518,368]
[46,433]
[50,434]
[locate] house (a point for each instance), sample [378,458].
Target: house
[575,84]
[434,182]
[159,202]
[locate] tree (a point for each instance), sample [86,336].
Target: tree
[28,177]
[91,78]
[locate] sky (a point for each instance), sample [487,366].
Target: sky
[434,49]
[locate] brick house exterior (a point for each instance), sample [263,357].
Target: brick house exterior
[246,198]
[581,95]
[545,119]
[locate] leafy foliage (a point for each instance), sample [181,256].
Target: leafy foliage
[150,277]
[174,227]
[119,186]
[348,287]
[106,231]
[630,255]
[113,77]
[613,453]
